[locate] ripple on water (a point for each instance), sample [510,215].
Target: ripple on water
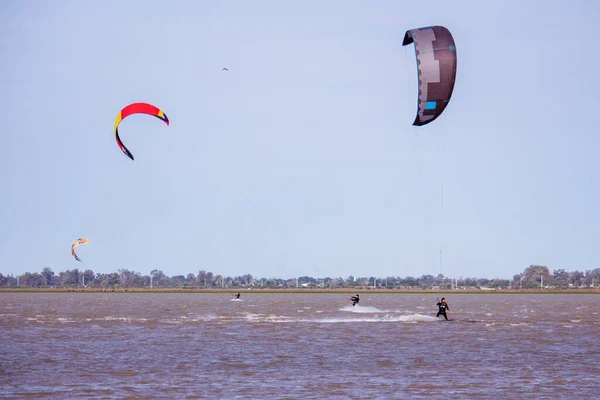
[292,346]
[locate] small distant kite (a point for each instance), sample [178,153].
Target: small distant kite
[436,65]
[137,108]
[225,69]
[77,243]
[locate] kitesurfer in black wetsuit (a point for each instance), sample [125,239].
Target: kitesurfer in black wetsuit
[443,306]
[237,296]
[354,300]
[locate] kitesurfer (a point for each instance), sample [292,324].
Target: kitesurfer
[443,306]
[237,296]
[354,300]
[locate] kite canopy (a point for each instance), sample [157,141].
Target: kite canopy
[137,108]
[436,65]
[77,243]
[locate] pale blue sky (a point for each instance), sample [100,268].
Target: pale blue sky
[301,159]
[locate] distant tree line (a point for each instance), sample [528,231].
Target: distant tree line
[534,277]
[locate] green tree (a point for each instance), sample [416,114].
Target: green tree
[190,279]
[129,278]
[177,280]
[87,277]
[201,278]
[48,276]
[31,280]
[69,278]
[532,276]
[158,278]
[560,278]
[108,280]
[576,278]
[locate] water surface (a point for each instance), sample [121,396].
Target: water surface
[166,345]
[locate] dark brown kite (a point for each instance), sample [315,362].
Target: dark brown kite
[436,65]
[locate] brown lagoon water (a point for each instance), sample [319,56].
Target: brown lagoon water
[161,345]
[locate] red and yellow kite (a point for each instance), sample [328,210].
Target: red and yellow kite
[137,108]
